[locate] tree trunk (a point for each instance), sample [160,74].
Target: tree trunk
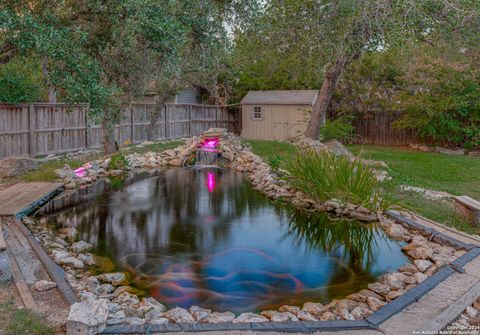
[108,139]
[52,94]
[154,119]
[320,107]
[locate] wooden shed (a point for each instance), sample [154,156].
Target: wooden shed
[276,115]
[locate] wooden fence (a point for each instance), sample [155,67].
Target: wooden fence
[43,128]
[377,128]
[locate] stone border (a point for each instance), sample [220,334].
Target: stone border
[370,323]
[434,235]
[54,271]
[246,162]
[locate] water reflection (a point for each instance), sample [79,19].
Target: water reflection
[204,236]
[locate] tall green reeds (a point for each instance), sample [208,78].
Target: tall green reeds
[324,175]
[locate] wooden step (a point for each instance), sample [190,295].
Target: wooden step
[468,208]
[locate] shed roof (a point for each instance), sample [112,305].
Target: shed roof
[281,97]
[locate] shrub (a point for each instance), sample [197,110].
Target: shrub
[117,162]
[275,162]
[340,128]
[324,175]
[442,103]
[20,81]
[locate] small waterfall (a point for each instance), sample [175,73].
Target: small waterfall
[207,153]
[203,157]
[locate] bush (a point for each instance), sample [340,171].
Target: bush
[20,81]
[442,103]
[117,162]
[340,128]
[324,175]
[275,162]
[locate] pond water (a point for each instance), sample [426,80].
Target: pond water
[205,237]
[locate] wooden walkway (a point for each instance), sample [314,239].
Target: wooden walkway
[17,197]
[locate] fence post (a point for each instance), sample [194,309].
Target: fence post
[86,126]
[216,117]
[132,126]
[189,120]
[31,120]
[166,127]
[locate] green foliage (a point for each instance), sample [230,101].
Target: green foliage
[117,162]
[340,128]
[443,100]
[275,162]
[324,175]
[371,83]
[24,322]
[20,81]
[106,53]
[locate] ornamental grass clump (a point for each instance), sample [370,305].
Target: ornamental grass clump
[325,175]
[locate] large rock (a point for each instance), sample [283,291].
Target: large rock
[16,166]
[275,316]
[420,277]
[179,315]
[314,308]
[379,288]
[338,148]
[115,278]
[375,304]
[127,299]
[396,231]
[80,246]
[88,317]
[69,232]
[360,312]
[308,143]
[200,314]
[65,173]
[420,253]
[249,317]
[291,309]
[422,265]
[43,285]
[102,264]
[217,317]
[64,258]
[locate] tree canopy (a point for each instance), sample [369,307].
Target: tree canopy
[357,52]
[106,53]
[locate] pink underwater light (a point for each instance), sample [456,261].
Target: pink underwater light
[211,181]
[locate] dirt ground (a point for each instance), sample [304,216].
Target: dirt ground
[52,312]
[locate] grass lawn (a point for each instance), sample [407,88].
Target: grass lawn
[457,175]
[15,321]
[271,150]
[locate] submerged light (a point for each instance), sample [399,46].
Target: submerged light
[211,181]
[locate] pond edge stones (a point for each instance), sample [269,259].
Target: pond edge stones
[116,303]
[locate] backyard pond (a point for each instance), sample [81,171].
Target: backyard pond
[204,236]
